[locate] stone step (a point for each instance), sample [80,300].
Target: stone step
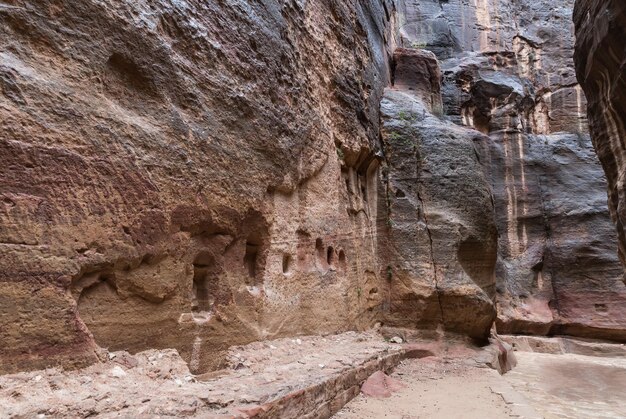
[565,345]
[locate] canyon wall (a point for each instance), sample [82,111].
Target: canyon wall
[200,174]
[441,242]
[508,72]
[186,174]
[600,57]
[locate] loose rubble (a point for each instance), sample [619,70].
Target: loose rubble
[311,376]
[261,376]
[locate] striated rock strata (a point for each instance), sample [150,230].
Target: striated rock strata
[508,72]
[600,58]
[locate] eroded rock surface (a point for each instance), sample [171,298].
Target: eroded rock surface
[171,174]
[306,377]
[442,239]
[565,345]
[311,377]
[201,174]
[600,57]
[508,72]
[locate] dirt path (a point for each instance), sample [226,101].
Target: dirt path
[436,388]
[541,386]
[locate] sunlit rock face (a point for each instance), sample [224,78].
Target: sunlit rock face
[600,58]
[186,174]
[508,72]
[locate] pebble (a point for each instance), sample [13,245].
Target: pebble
[396,339]
[117,372]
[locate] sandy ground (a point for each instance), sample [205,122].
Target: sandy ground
[571,386]
[436,388]
[542,385]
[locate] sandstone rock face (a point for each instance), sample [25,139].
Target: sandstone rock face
[442,240]
[600,57]
[508,72]
[175,174]
[201,174]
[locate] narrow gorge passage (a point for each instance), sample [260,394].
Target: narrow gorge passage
[289,198]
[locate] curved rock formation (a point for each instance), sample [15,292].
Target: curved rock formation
[600,58]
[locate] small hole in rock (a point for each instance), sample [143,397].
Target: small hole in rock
[286,264]
[331,257]
[601,308]
[250,259]
[201,295]
[342,261]
[319,248]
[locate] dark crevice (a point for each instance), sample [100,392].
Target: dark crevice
[286,263]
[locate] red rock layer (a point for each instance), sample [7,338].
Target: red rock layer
[172,174]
